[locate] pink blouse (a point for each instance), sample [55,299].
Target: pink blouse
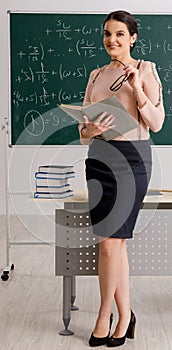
[152,113]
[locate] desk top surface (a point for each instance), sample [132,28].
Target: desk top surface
[79,200]
[163,197]
[161,201]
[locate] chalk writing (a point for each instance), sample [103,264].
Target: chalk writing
[143,46]
[34,123]
[79,72]
[52,56]
[63,30]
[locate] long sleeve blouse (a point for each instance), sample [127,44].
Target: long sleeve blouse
[151,115]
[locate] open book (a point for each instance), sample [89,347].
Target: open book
[124,122]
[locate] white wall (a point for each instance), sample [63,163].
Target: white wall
[162,155]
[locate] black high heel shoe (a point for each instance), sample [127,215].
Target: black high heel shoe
[94,341]
[112,342]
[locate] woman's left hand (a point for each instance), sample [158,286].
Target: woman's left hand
[133,74]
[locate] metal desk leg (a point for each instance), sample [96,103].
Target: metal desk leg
[73,294]
[66,304]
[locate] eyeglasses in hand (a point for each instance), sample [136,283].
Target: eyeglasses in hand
[119,81]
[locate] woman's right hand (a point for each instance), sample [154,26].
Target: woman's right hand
[100,125]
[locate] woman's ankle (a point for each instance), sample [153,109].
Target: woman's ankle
[104,314]
[102,325]
[124,316]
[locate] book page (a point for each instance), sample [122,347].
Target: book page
[124,122]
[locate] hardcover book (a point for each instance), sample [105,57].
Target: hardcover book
[41,175]
[52,189]
[57,169]
[123,122]
[53,195]
[51,182]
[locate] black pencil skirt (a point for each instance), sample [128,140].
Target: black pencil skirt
[117,174]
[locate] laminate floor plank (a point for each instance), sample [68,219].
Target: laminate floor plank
[31,304]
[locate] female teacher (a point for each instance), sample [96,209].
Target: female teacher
[118,170]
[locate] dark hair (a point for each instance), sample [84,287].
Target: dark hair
[125,17]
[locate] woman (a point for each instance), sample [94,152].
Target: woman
[118,171]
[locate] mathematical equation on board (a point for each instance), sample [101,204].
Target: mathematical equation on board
[35,123]
[43,74]
[145,46]
[41,63]
[87,44]
[45,98]
[73,41]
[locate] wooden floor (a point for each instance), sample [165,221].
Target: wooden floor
[31,304]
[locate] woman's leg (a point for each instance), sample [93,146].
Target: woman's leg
[122,295]
[109,268]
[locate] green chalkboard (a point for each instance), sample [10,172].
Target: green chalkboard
[51,59]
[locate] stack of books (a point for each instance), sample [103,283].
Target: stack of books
[52,181]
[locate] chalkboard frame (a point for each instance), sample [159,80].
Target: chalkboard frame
[61,13]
